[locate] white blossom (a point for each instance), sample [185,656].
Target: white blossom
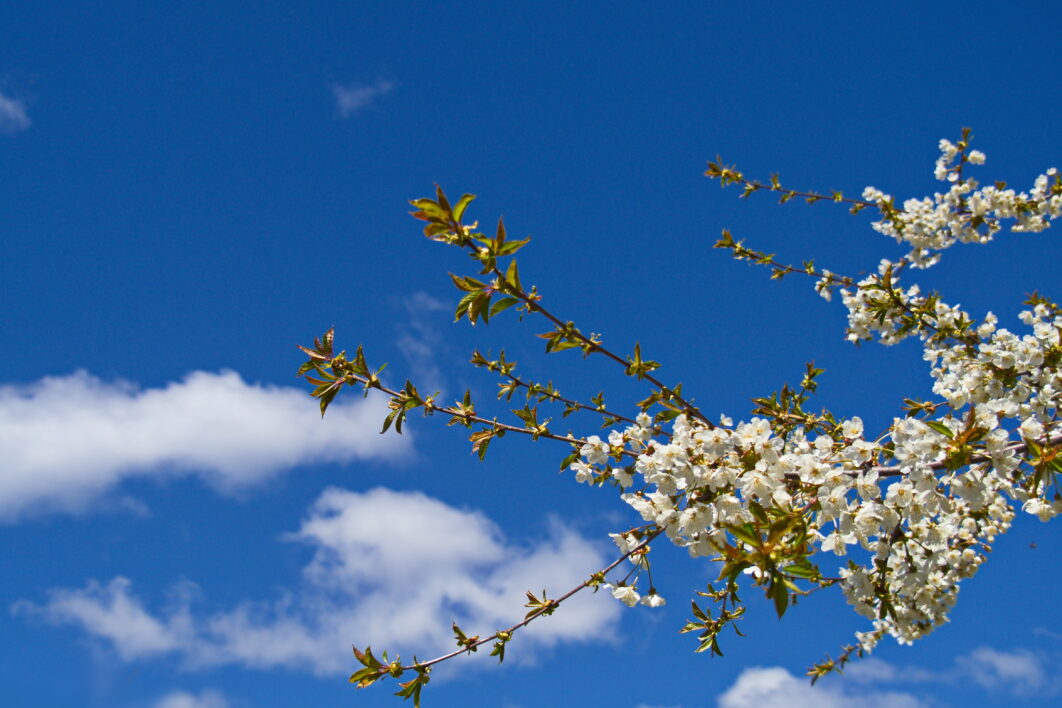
[626,594]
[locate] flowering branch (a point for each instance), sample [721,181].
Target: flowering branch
[727,175]
[914,510]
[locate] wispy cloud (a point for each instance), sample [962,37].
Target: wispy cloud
[65,441]
[420,340]
[875,670]
[13,116]
[774,686]
[355,96]
[112,613]
[391,569]
[182,699]
[1018,671]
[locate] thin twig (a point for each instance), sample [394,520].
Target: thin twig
[553,604]
[471,417]
[591,345]
[553,396]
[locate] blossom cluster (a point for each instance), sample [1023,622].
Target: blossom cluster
[915,510]
[967,212]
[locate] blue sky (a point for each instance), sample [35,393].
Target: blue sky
[188,192]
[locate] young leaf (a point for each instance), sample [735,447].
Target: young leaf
[461,205]
[512,276]
[327,397]
[503,304]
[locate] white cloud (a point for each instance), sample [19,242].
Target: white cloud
[13,116]
[354,97]
[774,686]
[181,699]
[65,441]
[1020,670]
[390,569]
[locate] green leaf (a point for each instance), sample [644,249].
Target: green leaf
[480,441]
[758,511]
[732,569]
[499,237]
[667,415]
[510,247]
[312,353]
[780,595]
[745,533]
[388,420]
[479,308]
[462,204]
[466,283]
[365,677]
[411,689]
[463,304]
[802,569]
[498,651]
[709,643]
[941,428]
[327,397]
[512,276]
[444,203]
[503,304]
